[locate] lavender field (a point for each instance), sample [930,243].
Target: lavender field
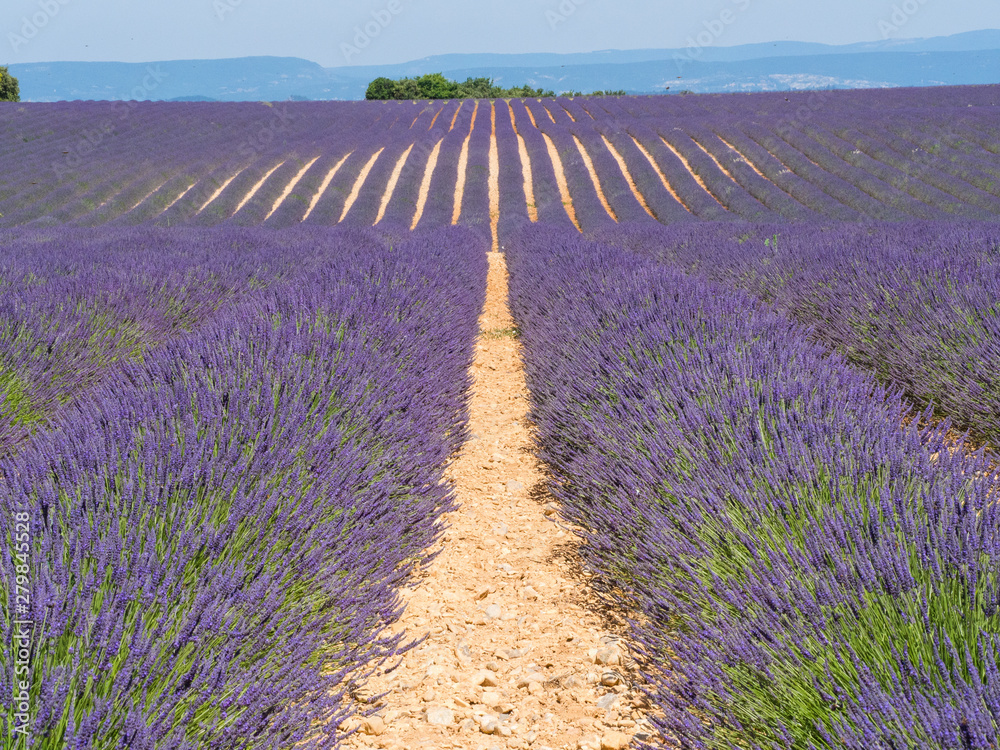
[761,335]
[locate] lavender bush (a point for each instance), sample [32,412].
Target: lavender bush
[218,528]
[913,303]
[807,573]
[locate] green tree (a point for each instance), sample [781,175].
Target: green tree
[10,91]
[436,86]
[381,88]
[476,88]
[407,88]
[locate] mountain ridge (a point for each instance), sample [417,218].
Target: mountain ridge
[969,58]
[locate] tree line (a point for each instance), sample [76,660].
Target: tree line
[10,90]
[436,86]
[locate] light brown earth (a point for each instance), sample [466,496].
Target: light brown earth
[659,171]
[694,174]
[589,164]
[628,176]
[529,186]
[390,187]
[436,116]
[259,184]
[561,179]
[741,157]
[360,183]
[218,192]
[455,116]
[325,184]
[463,166]
[181,195]
[290,187]
[425,185]
[138,202]
[494,179]
[514,658]
[717,163]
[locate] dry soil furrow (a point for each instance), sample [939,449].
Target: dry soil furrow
[139,202]
[531,116]
[561,183]
[514,658]
[463,166]
[663,177]
[589,164]
[436,116]
[529,186]
[180,196]
[628,176]
[695,175]
[455,116]
[325,184]
[717,163]
[218,192]
[494,179]
[290,187]
[260,183]
[390,188]
[360,183]
[425,184]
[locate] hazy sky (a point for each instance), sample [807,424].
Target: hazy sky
[372,32]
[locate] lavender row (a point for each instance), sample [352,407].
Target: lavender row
[230,517]
[792,106]
[787,170]
[721,186]
[88,153]
[952,198]
[92,163]
[778,202]
[803,570]
[914,303]
[75,302]
[663,204]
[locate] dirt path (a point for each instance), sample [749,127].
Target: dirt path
[628,176]
[425,184]
[529,186]
[514,659]
[589,164]
[663,177]
[390,188]
[290,187]
[690,171]
[494,179]
[463,167]
[561,183]
[256,188]
[360,183]
[325,184]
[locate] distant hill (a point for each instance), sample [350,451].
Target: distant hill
[970,58]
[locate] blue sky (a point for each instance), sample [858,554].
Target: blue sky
[327,31]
